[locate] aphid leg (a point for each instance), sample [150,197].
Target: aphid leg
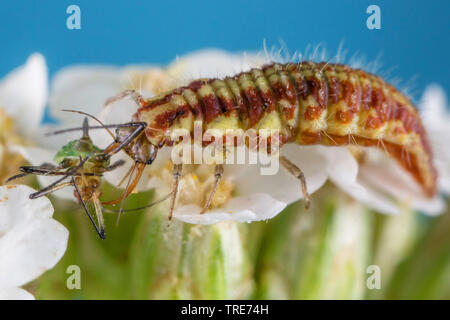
[38,170]
[17,176]
[47,190]
[218,173]
[101,233]
[115,165]
[296,172]
[136,97]
[177,169]
[99,214]
[44,169]
[48,165]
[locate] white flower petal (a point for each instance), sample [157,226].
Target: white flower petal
[382,173]
[31,242]
[23,93]
[433,104]
[255,207]
[212,63]
[343,171]
[283,186]
[16,207]
[15,294]
[38,156]
[56,141]
[84,88]
[436,118]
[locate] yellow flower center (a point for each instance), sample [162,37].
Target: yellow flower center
[196,184]
[9,161]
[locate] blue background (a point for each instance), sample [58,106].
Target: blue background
[414,35]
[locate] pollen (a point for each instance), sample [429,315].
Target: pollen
[196,184]
[9,161]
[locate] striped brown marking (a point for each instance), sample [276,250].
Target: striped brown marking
[264,90]
[164,120]
[333,88]
[211,108]
[255,105]
[317,85]
[366,110]
[224,95]
[284,89]
[366,92]
[298,80]
[313,113]
[239,100]
[192,100]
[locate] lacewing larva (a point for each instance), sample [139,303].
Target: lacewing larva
[309,103]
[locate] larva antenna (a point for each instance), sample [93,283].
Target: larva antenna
[91,116]
[81,128]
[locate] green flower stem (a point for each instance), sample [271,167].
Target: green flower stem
[175,260]
[320,253]
[394,240]
[425,273]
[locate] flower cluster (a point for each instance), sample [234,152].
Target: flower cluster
[33,242]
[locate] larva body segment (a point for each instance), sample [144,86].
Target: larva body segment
[309,103]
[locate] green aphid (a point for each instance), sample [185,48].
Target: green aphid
[70,155]
[84,164]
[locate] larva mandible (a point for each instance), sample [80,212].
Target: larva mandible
[309,103]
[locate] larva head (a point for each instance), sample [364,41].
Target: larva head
[139,149]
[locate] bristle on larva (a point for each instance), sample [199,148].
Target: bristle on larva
[309,103]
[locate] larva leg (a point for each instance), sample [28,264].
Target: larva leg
[177,169]
[116,147]
[136,97]
[298,173]
[218,173]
